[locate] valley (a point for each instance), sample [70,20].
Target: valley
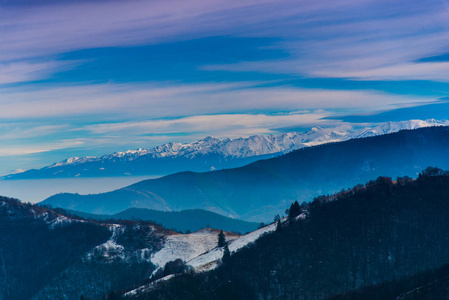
[333,245]
[35,190]
[224,150]
[258,191]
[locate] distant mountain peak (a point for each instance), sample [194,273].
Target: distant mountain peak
[262,144]
[213,153]
[316,128]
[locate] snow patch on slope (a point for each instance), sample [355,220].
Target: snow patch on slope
[148,287]
[61,221]
[209,260]
[187,246]
[17,210]
[110,249]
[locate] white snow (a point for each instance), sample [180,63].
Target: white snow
[257,144]
[61,221]
[209,260]
[110,249]
[199,250]
[187,246]
[302,216]
[51,218]
[148,287]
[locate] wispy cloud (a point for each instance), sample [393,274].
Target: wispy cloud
[437,71]
[18,131]
[104,102]
[50,29]
[366,42]
[223,125]
[16,72]
[358,40]
[18,150]
[149,133]
[352,37]
[123,116]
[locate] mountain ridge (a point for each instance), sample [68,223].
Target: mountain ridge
[45,254]
[375,233]
[187,220]
[210,153]
[258,191]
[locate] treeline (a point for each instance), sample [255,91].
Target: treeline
[32,253]
[429,285]
[379,232]
[106,269]
[43,254]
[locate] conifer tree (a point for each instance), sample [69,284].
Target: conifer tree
[278,225]
[226,252]
[277,218]
[221,239]
[294,211]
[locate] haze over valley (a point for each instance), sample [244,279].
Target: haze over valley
[254,150]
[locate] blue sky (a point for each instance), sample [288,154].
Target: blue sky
[89,77]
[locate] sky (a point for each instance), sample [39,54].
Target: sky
[90,77]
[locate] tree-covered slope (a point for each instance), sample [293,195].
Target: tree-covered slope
[428,285]
[37,244]
[47,255]
[186,220]
[368,235]
[258,191]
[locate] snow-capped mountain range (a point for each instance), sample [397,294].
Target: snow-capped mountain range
[211,153]
[259,144]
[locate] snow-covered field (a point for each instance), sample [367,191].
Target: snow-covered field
[199,250]
[209,260]
[188,246]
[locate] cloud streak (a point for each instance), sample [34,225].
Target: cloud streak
[48,29]
[223,125]
[25,71]
[123,116]
[322,37]
[45,109]
[17,150]
[127,101]
[363,45]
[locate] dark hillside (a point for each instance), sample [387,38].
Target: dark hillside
[32,250]
[368,235]
[48,255]
[429,285]
[191,219]
[258,191]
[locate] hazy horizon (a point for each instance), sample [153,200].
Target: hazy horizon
[91,77]
[37,190]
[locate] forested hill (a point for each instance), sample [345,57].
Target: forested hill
[36,244]
[258,191]
[370,234]
[47,255]
[185,221]
[428,285]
